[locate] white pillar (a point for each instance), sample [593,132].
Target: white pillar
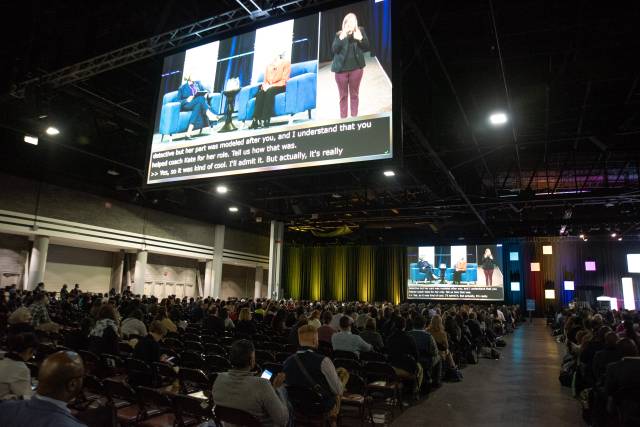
[117,270]
[257,290]
[217,261]
[139,274]
[275,259]
[208,279]
[38,260]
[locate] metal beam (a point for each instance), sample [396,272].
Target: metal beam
[438,161]
[161,43]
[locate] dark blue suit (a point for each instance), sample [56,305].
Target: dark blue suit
[198,105]
[35,413]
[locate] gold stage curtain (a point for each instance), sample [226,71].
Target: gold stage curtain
[365,273]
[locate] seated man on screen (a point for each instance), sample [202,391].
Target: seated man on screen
[461,267]
[195,98]
[275,82]
[427,269]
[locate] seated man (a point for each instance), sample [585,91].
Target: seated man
[60,380]
[427,269]
[40,314]
[346,341]
[319,370]
[625,373]
[201,112]
[275,81]
[241,389]
[428,355]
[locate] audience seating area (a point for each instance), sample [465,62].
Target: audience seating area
[177,390]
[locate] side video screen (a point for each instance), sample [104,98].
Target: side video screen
[309,91]
[461,272]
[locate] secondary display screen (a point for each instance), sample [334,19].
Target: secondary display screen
[309,91]
[461,272]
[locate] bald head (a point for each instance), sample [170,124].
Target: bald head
[308,336]
[60,376]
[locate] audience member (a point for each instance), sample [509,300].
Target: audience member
[428,355]
[15,377]
[40,315]
[371,336]
[308,369]
[241,389]
[326,331]
[346,341]
[148,348]
[245,324]
[133,325]
[104,336]
[60,380]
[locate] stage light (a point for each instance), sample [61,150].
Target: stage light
[33,140]
[222,189]
[53,131]
[233,209]
[619,239]
[389,173]
[614,235]
[590,266]
[514,256]
[113,172]
[547,250]
[549,294]
[515,286]
[569,285]
[535,266]
[498,118]
[581,236]
[627,293]
[633,263]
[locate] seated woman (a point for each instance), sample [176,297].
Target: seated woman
[15,377]
[192,99]
[399,346]
[275,81]
[245,324]
[104,337]
[436,329]
[371,336]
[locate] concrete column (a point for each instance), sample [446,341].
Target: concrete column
[38,260]
[275,259]
[257,290]
[217,261]
[139,274]
[208,279]
[117,270]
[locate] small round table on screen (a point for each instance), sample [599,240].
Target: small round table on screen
[230,95]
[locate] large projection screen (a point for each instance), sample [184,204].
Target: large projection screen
[309,91]
[458,272]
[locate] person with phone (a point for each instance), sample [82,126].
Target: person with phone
[148,347]
[241,389]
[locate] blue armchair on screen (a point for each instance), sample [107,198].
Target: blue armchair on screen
[173,121]
[299,96]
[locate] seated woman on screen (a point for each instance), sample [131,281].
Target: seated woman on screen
[275,82]
[195,98]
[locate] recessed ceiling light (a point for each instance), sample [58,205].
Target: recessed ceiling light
[614,235]
[222,189]
[619,239]
[581,236]
[498,118]
[33,140]
[113,172]
[336,196]
[53,131]
[233,209]
[389,173]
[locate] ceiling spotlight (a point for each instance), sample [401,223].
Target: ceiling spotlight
[586,240]
[113,172]
[619,239]
[581,236]
[497,119]
[53,131]
[33,140]
[233,209]
[389,173]
[614,235]
[336,196]
[222,189]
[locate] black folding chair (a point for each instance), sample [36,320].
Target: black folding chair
[309,407]
[215,363]
[192,359]
[353,366]
[341,354]
[383,383]
[355,396]
[193,380]
[191,409]
[194,346]
[235,417]
[164,373]
[139,373]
